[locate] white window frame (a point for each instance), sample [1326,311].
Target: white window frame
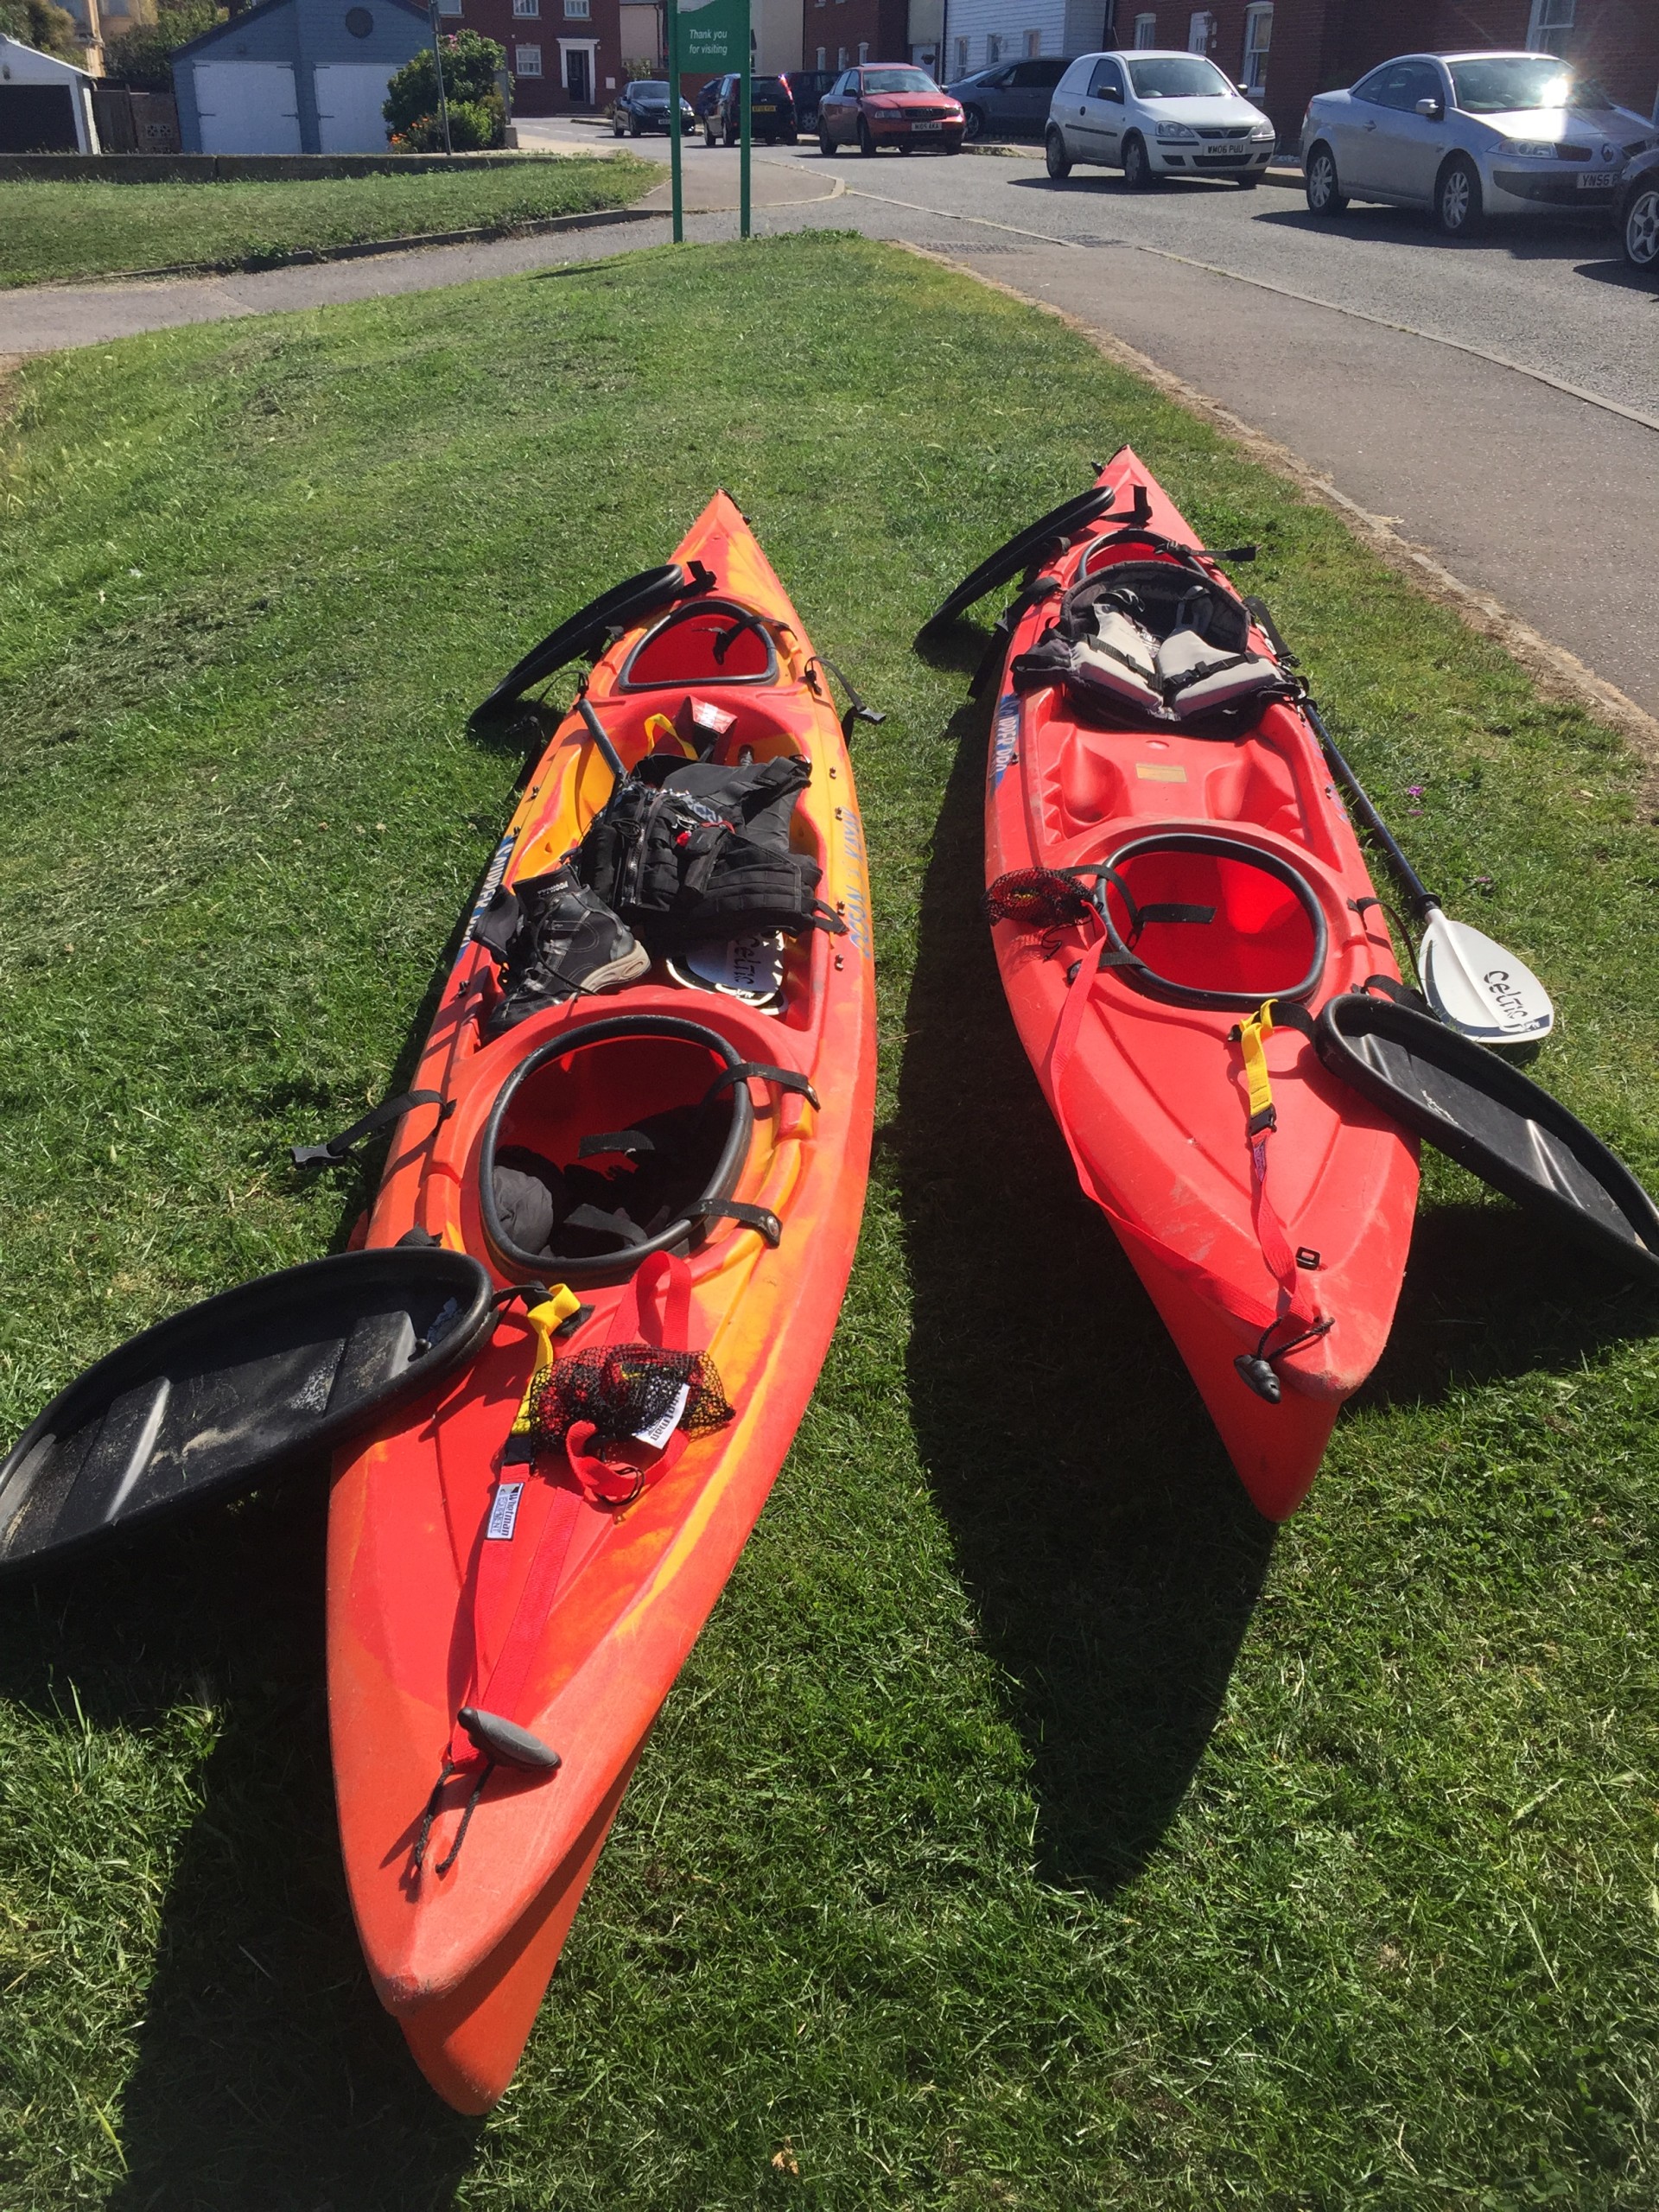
[963,50]
[993,49]
[864,52]
[1033,46]
[1551,20]
[575,11]
[521,66]
[1200,31]
[1146,30]
[840,57]
[449,6]
[822,62]
[526,7]
[1258,50]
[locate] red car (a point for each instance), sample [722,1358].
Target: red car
[888,104]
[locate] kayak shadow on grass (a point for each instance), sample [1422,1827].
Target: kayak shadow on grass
[266,2073]
[1112,1555]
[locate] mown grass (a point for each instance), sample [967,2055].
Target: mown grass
[1032,1827]
[52,230]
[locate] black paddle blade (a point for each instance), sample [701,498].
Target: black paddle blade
[1017,556]
[584,635]
[211,1402]
[1494,1121]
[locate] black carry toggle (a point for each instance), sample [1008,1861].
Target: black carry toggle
[506,1741]
[759,1217]
[330,1154]
[785,1079]
[1254,1367]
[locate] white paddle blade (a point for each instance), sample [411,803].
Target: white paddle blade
[1480,988]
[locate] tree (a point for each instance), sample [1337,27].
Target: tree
[143,57]
[476,117]
[49,29]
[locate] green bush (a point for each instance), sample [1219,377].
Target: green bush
[49,29]
[470,64]
[475,127]
[143,57]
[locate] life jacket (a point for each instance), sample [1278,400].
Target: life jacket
[688,850]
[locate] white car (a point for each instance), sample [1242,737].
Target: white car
[1155,114]
[1470,135]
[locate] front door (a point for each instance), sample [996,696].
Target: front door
[577,80]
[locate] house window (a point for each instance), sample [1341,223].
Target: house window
[1551,26]
[575,10]
[993,49]
[822,62]
[526,7]
[863,50]
[527,60]
[449,7]
[840,57]
[962,57]
[1200,31]
[1033,44]
[1146,30]
[1258,37]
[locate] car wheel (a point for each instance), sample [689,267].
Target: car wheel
[1137,168]
[633,126]
[973,124]
[1325,194]
[616,126]
[951,146]
[708,136]
[729,137]
[1640,234]
[866,142]
[1054,153]
[1457,198]
[1248,183]
[791,138]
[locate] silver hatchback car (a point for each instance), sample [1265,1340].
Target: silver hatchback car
[1468,136]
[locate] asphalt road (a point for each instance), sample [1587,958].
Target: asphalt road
[1498,399]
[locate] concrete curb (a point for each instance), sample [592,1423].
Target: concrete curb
[1006,150]
[1558,673]
[351,250]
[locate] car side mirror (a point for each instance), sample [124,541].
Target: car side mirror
[1112,92]
[1435,109]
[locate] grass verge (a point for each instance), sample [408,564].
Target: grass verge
[52,231]
[1031,1827]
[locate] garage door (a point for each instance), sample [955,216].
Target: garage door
[247,107]
[37,119]
[350,96]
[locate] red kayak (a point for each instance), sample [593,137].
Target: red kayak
[665,1181]
[1175,888]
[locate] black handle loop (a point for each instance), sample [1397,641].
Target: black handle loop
[336,1148]
[785,1079]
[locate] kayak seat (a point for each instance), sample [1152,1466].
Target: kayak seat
[616,1141]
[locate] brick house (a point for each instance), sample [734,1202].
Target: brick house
[1287,50]
[835,34]
[566,55]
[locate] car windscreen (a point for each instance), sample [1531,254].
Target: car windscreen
[1500,84]
[1178,76]
[652,89]
[899,80]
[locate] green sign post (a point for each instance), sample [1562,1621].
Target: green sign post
[712,36]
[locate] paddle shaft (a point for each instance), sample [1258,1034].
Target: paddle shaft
[607,751]
[1423,901]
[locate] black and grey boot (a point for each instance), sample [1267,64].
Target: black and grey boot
[555,940]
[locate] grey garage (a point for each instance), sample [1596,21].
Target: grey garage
[295,77]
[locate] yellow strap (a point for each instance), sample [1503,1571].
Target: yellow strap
[559,1306]
[661,732]
[1252,1036]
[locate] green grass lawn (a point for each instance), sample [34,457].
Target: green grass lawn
[1033,1827]
[51,231]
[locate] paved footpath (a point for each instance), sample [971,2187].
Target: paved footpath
[1498,402]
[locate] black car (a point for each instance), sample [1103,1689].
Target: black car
[1637,212]
[772,111]
[808,87]
[643,106]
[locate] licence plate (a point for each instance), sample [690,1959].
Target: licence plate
[1601,183]
[762,107]
[927,126]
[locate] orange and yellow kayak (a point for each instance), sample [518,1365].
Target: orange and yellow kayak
[466,1573]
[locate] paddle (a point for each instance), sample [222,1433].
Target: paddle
[1472,983]
[607,751]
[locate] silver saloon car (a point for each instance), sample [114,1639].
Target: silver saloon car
[1469,136]
[1155,114]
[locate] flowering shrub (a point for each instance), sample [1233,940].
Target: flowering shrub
[476,119]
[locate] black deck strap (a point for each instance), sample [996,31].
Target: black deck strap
[1176,685]
[600,1223]
[785,1079]
[330,1154]
[1257,608]
[628,1140]
[1287,1013]
[728,638]
[758,1217]
[1359,906]
[1232,553]
[826,917]
[857,710]
[1402,994]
